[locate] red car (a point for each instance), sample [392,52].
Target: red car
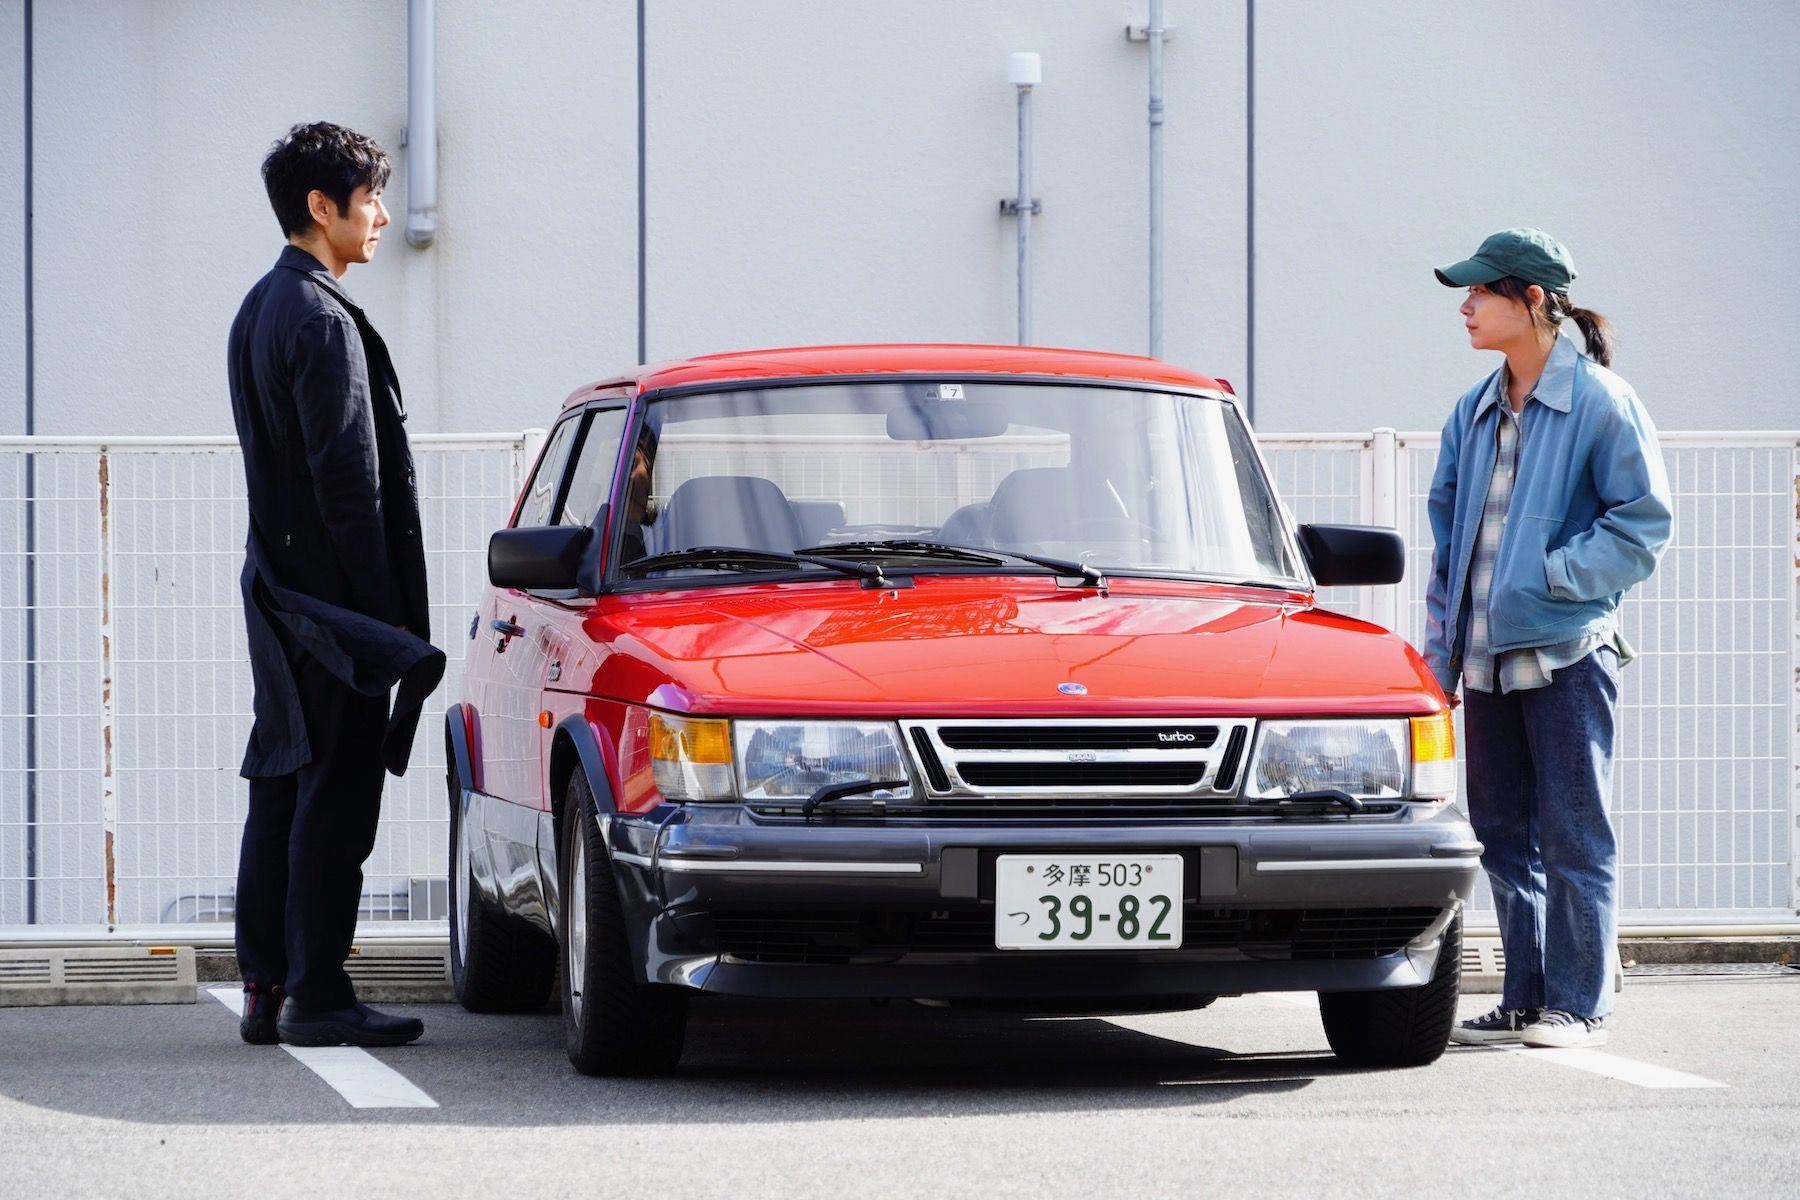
[958,672]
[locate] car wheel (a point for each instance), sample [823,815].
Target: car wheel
[496,965]
[613,1023]
[1398,1027]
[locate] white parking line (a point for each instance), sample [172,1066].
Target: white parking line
[355,1074]
[1644,1075]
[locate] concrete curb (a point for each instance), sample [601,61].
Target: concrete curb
[418,971]
[56,975]
[392,973]
[1634,951]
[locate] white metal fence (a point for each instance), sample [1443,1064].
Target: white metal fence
[1706,794]
[125,687]
[125,695]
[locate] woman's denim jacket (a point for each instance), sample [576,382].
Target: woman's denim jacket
[1589,516]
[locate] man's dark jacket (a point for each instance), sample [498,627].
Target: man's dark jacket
[335,564]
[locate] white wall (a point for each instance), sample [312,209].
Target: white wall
[151,221]
[837,177]
[832,172]
[152,120]
[1659,141]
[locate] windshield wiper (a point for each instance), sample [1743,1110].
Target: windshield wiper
[842,791]
[983,554]
[1311,801]
[747,559]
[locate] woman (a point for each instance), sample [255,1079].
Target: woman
[1548,504]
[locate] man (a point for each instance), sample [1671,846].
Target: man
[334,595]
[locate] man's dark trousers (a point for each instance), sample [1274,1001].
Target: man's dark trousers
[295,927]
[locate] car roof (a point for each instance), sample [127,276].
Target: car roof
[801,362]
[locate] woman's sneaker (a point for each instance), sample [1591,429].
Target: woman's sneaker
[1560,1029]
[1497,1027]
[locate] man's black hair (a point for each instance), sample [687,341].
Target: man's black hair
[321,156]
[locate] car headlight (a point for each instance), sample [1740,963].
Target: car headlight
[1367,759]
[1370,760]
[789,760]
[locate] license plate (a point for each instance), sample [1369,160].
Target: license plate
[1087,902]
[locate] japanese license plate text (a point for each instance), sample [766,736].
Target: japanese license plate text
[1087,902]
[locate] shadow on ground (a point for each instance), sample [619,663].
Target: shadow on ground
[746,1061]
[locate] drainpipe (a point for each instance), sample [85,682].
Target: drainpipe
[1024,71]
[1153,33]
[420,138]
[31,604]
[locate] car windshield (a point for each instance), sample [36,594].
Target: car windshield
[1129,482]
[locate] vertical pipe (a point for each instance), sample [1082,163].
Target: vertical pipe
[1250,211]
[421,123]
[1154,34]
[642,178]
[31,703]
[1024,215]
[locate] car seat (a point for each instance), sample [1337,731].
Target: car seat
[818,518]
[729,510]
[1048,504]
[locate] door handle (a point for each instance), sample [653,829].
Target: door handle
[507,630]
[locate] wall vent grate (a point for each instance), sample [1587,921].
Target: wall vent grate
[98,975]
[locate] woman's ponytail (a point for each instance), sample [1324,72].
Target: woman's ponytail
[1595,328]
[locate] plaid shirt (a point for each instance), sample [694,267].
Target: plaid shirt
[1516,670]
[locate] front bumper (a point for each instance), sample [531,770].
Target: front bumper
[720,901]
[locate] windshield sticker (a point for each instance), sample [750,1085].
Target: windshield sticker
[944,391]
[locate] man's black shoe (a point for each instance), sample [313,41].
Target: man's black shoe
[358,1025]
[261,1005]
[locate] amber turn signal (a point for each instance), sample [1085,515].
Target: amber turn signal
[1434,757]
[1434,738]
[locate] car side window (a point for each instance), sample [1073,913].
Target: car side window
[597,457]
[540,493]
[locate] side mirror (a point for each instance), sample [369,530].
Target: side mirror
[547,559]
[1353,555]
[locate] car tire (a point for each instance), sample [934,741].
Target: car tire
[1398,1027]
[496,965]
[613,1023]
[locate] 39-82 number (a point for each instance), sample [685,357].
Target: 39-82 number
[1130,920]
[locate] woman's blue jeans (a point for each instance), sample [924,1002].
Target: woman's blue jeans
[1540,778]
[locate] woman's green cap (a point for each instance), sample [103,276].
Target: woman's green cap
[1528,254]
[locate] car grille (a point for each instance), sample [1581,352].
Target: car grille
[815,937]
[1020,764]
[795,936]
[1077,737]
[1082,775]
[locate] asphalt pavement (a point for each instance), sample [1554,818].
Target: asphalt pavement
[1697,1095]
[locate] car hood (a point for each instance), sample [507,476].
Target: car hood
[1026,646]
